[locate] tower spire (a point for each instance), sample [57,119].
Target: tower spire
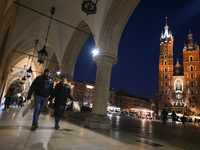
[166,20]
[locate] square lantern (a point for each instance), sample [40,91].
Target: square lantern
[41,55]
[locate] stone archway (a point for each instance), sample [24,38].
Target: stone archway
[113,26]
[73,49]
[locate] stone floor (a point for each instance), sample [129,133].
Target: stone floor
[15,134]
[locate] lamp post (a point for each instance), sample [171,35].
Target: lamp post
[43,53]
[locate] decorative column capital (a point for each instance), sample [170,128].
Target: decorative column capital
[105,59]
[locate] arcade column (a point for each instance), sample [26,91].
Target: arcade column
[98,118]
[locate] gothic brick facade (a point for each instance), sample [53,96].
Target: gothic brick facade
[179,86]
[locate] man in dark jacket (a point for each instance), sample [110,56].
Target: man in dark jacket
[42,87]
[61,93]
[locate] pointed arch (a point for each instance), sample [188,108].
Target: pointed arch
[73,49]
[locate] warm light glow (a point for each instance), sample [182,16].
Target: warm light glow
[89,86]
[95,52]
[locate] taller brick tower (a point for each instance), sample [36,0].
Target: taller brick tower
[164,93]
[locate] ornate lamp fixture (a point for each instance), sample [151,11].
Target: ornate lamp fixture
[43,53]
[89,7]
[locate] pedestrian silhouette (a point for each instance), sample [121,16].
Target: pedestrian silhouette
[183,119]
[173,118]
[164,115]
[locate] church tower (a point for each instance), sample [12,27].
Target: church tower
[191,64]
[164,93]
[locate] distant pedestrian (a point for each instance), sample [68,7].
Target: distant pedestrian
[10,93]
[62,91]
[183,119]
[164,115]
[173,115]
[21,98]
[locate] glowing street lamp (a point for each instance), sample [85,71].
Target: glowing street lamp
[95,52]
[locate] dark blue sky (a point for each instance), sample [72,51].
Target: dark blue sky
[138,52]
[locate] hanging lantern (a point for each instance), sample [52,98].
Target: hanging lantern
[29,72]
[89,7]
[24,78]
[41,55]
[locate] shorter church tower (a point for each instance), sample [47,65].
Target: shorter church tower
[191,64]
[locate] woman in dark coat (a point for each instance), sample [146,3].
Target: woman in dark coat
[61,93]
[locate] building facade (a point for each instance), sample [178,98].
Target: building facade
[131,101]
[179,88]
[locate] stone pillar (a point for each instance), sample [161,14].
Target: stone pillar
[98,118]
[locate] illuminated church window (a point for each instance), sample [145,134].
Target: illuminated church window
[178,85]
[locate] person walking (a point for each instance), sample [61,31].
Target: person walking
[173,115]
[10,93]
[21,98]
[183,119]
[62,91]
[42,87]
[164,115]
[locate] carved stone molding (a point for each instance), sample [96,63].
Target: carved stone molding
[105,59]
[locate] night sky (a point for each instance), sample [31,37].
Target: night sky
[138,53]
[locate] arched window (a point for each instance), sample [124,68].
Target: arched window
[165,56]
[165,84]
[165,91]
[191,58]
[163,99]
[192,76]
[166,76]
[161,50]
[192,68]
[169,91]
[165,69]
[168,99]
[165,62]
[192,92]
